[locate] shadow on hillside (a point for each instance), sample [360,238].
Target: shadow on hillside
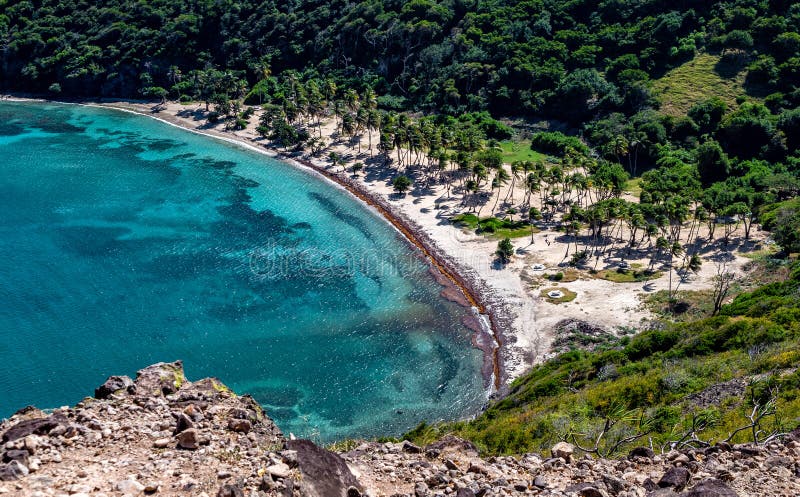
[731,64]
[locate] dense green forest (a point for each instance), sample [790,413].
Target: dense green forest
[573,59]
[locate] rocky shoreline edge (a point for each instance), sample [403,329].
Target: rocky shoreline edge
[160,434]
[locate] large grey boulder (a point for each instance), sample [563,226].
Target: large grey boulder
[675,477]
[324,473]
[38,426]
[163,378]
[114,384]
[12,471]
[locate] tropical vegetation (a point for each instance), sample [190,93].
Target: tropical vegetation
[731,377]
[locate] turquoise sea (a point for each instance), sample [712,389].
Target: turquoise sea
[125,241]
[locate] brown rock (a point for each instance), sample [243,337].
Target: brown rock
[230,491]
[194,412]
[773,461]
[279,470]
[476,467]
[162,443]
[31,444]
[614,484]
[454,443]
[240,425]
[584,490]
[710,488]
[662,492]
[16,455]
[592,492]
[189,439]
[410,448]
[563,450]
[129,487]
[183,423]
[641,452]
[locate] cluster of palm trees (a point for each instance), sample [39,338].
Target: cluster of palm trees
[572,193]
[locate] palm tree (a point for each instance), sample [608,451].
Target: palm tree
[479,174]
[619,147]
[534,215]
[338,111]
[532,184]
[501,177]
[329,90]
[336,160]
[362,122]
[675,250]
[348,125]
[351,100]
[516,169]
[174,74]
[370,99]
[400,137]
[636,221]
[316,103]
[373,122]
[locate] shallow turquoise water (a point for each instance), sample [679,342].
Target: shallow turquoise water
[124,241]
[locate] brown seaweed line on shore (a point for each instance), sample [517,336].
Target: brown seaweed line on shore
[426,246]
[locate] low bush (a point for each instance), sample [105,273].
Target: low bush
[557,143]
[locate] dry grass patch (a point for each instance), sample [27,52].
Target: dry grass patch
[696,80]
[632,275]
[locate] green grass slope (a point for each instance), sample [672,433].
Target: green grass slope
[695,381]
[696,80]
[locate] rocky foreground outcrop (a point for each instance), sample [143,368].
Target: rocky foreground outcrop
[163,435]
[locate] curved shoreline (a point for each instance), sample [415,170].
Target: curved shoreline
[455,274]
[424,244]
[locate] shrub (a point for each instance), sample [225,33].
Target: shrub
[401,184]
[505,249]
[557,143]
[578,258]
[491,127]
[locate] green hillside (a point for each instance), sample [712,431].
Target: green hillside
[696,381]
[692,82]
